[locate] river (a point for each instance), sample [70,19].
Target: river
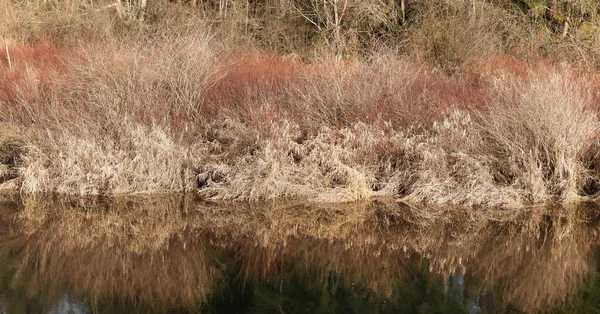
[177,254]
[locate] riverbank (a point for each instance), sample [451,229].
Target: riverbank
[180,117]
[183,109]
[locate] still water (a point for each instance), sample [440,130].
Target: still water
[176,254]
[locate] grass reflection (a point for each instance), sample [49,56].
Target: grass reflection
[176,253]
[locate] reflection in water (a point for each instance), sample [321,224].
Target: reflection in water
[68,305]
[173,253]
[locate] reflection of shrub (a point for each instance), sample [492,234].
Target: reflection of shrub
[172,251]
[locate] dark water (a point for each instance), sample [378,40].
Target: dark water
[178,255]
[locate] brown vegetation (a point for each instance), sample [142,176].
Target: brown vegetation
[158,251]
[180,115]
[182,107]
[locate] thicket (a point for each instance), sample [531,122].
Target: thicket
[470,102]
[444,33]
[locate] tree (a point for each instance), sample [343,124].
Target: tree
[327,17]
[132,9]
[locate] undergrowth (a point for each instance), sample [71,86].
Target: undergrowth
[175,113]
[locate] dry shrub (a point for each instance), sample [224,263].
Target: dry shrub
[546,132]
[163,83]
[125,158]
[260,90]
[71,87]
[30,72]
[494,65]
[527,147]
[340,94]
[250,127]
[248,79]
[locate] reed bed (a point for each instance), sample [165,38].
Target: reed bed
[184,115]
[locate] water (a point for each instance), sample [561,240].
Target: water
[178,255]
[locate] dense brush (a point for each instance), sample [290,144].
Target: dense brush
[182,115]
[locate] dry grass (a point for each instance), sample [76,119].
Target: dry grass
[130,159]
[529,146]
[180,115]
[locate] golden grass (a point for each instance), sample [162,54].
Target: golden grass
[528,146]
[133,159]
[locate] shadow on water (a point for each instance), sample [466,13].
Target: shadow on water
[175,254]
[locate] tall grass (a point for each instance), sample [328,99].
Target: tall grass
[528,146]
[182,113]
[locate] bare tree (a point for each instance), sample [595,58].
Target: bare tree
[327,16]
[132,9]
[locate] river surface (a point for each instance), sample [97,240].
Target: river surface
[176,254]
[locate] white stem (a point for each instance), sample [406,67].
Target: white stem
[8,55]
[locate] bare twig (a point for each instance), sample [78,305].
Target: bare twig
[587,65]
[8,55]
[311,21]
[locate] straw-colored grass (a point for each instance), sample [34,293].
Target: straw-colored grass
[528,146]
[130,159]
[180,115]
